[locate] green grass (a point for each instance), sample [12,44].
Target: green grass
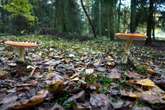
[141,70]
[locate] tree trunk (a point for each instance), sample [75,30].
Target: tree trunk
[133,15]
[153,32]
[3,15]
[150,23]
[119,16]
[112,21]
[89,20]
[100,18]
[154,24]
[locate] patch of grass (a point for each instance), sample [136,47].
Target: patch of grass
[141,69]
[63,98]
[69,106]
[91,78]
[103,80]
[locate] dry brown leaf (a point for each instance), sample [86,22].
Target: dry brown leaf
[143,82]
[151,71]
[56,86]
[114,74]
[135,95]
[34,101]
[134,75]
[153,96]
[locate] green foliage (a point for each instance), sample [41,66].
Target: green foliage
[105,82]
[69,106]
[141,69]
[101,79]
[21,16]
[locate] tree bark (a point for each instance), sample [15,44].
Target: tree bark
[133,15]
[119,16]
[100,18]
[150,23]
[88,17]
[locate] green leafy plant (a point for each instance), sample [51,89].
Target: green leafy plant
[21,16]
[101,79]
[105,82]
[141,69]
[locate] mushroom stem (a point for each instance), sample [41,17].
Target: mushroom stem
[21,54]
[127,51]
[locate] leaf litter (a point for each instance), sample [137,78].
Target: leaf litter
[68,78]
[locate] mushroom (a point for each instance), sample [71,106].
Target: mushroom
[21,46]
[129,37]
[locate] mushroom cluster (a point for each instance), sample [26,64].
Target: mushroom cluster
[129,37]
[21,46]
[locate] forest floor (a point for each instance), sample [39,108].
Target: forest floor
[74,75]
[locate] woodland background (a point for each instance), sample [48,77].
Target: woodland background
[82,18]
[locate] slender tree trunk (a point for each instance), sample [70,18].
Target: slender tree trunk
[100,18]
[108,24]
[133,15]
[112,21]
[153,27]
[110,6]
[60,16]
[3,15]
[150,23]
[89,20]
[119,16]
[153,33]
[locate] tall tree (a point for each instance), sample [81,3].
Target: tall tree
[67,16]
[133,15]
[89,20]
[21,15]
[4,18]
[119,16]
[110,9]
[100,17]
[150,22]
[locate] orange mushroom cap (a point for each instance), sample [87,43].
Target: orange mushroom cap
[21,44]
[130,36]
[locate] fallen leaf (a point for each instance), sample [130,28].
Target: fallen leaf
[134,75]
[143,82]
[76,98]
[12,102]
[52,62]
[153,96]
[82,106]
[135,95]
[89,71]
[151,71]
[114,74]
[56,86]
[100,102]
[34,101]
[3,74]
[57,107]
[120,104]
[101,69]
[142,108]
[160,83]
